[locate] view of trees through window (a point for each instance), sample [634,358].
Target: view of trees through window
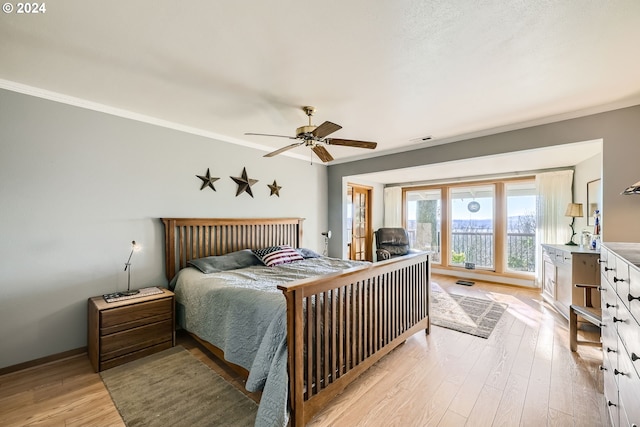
[424,221]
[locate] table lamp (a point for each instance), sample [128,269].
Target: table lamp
[127,267]
[573,210]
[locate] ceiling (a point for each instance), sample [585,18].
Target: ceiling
[387,71]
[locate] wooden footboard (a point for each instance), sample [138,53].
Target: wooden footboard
[341,324]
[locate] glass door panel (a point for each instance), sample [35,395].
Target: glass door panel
[472,226]
[423,221]
[521,226]
[360,246]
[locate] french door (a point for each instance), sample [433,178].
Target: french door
[358,223]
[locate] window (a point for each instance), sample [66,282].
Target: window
[424,219]
[487,225]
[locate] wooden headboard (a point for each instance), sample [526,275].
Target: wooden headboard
[189,238]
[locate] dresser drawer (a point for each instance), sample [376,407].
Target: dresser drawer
[633,294]
[607,263]
[629,331]
[135,339]
[619,277]
[609,267]
[609,335]
[562,257]
[135,323]
[629,389]
[611,394]
[609,299]
[135,313]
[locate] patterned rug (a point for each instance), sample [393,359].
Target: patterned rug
[474,316]
[173,388]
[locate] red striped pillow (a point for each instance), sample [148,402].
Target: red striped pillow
[277,255]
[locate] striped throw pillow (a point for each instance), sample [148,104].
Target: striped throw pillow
[276,255]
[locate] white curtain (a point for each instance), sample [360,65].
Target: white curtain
[553,195]
[392,207]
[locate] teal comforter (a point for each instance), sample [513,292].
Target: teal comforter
[244,314]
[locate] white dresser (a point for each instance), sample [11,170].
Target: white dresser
[563,267]
[620,293]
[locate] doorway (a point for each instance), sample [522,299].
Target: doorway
[359,222]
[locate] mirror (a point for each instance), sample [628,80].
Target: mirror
[594,195]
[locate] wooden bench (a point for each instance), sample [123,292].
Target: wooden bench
[587,312]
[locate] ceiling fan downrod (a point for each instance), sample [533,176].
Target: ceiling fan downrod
[305,131]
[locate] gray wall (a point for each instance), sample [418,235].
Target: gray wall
[585,171]
[76,186]
[619,130]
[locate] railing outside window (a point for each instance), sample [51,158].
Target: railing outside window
[477,247]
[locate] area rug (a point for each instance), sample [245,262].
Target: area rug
[173,388]
[473,316]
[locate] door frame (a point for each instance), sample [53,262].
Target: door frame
[369,229]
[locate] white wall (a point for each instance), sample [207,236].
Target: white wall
[76,186]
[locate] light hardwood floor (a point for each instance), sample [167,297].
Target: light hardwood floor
[523,375]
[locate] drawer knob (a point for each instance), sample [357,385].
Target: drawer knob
[615,319]
[616,372]
[600,261]
[634,357]
[610,350]
[611,305]
[631,297]
[602,368]
[608,269]
[615,279]
[610,403]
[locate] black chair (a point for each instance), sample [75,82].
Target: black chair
[391,243]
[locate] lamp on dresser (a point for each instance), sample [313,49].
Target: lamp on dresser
[573,210]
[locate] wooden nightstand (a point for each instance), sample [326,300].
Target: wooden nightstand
[123,331]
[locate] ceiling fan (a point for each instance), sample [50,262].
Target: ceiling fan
[313,137]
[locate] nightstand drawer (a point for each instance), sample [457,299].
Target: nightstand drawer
[135,339]
[135,314]
[135,323]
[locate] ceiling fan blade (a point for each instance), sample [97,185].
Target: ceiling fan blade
[325,129]
[322,153]
[283,149]
[352,143]
[268,134]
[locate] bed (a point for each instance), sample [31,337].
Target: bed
[333,326]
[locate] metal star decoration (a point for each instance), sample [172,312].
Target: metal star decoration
[207,181]
[275,188]
[244,183]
